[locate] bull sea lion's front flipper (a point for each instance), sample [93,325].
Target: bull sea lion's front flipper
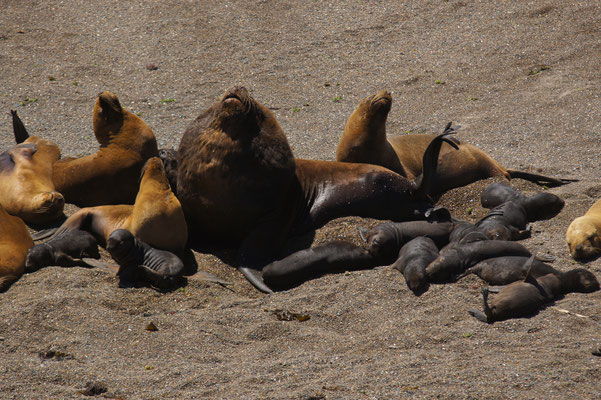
[19,130]
[331,257]
[430,161]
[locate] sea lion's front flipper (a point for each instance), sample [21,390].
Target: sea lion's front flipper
[430,161]
[256,278]
[19,130]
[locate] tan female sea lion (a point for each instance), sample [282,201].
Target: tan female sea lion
[110,176]
[14,243]
[584,234]
[26,187]
[239,184]
[364,141]
[155,218]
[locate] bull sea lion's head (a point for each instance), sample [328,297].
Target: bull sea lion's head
[240,116]
[583,239]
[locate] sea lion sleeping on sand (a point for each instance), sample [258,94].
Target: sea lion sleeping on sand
[524,298]
[364,141]
[26,186]
[385,240]
[14,243]
[67,249]
[239,184]
[584,234]
[413,259]
[110,176]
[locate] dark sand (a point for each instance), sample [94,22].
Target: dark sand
[522,80]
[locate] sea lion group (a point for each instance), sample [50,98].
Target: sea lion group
[234,181]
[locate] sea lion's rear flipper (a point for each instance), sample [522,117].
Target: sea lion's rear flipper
[255,278]
[43,234]
[93,263]
[545,257]
[479,315]
[465,273]
[19,130]
[430,161]
[438,214]
[363,231]
[540,180]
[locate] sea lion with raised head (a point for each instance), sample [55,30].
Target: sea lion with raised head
[584,234]
[140,262]
[155,218]
[364,141]
[413,259]
[109,176]
[26,186]
[524,298]
[14,243]
[239,184]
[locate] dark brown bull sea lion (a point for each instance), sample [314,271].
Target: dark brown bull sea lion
[364,141]
[524,298]
[239,184]
[110,176]
[26,186]
[14,243]
[155,218]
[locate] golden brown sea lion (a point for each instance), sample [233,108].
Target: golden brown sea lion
[110,176]
[584,234]
[155,218]
[14,243]
[240,184]
[26,187]
[364,141]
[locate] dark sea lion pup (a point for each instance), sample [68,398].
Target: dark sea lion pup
[524,298]
[66,250]
[110,176]
[456,258]
[538,207]
[385,240]
[413,259]
[140,262]
[331,257]
[239,184]
[364,141]
[14,243]
[505,270]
